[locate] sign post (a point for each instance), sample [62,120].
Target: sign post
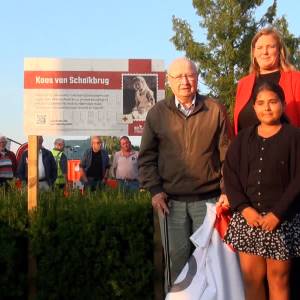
[33,189]
[32,172]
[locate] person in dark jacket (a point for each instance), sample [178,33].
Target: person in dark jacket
[183,147]
[94,165]
[46,163]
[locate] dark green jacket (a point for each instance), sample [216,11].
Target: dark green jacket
[184,155]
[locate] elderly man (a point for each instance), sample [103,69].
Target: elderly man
[8,162]
[47,166]
[61,163]
[125,165]
[182,151]
[94,165]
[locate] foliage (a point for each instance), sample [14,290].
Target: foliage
[111,143]
[96,247]
[92,246]
[13,245]
[224,57]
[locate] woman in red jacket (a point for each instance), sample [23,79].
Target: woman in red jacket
[269,62]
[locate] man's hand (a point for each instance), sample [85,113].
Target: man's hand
[223,201]
[160,203]
[252,216]
[269,222]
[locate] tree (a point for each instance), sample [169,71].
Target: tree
[224,57]
[110,143]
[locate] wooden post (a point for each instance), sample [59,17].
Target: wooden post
[158,260]
[33,189]
[33,178]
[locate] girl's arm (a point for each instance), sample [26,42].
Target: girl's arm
[292,191]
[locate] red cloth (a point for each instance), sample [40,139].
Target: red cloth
[223,217]
[20,151]
[290,83]
[112,183]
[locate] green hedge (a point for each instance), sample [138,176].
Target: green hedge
[96,246]
[13,245]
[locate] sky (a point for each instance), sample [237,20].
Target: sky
[95,29]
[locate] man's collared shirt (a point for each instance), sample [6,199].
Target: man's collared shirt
[126,167]
[186,111]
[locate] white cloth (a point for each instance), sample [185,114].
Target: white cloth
[212,272]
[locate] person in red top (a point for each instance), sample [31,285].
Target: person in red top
[269,62]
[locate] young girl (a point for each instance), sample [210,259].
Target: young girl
[262,182]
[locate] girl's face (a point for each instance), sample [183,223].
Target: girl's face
[268,108]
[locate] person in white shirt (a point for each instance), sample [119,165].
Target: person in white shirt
[125,166]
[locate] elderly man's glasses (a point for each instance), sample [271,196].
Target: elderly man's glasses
[190,77]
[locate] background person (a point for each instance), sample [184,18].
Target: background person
[183,147]
[94,165]
[8,162]
[125,165]
[61,163]
[265,226]
[47,170]
[269,62]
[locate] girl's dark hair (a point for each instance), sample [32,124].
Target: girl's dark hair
[275,88]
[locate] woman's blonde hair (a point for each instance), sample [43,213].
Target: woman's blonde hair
[284,63]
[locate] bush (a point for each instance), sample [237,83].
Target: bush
[13,245]
[94,247]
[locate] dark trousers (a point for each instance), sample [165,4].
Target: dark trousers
[93,184]
[129,185]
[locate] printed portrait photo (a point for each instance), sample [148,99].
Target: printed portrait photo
[139,95]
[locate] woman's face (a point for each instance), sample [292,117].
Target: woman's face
[137,85]
[266,54]
[268,107]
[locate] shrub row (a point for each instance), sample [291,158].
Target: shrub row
[93,246]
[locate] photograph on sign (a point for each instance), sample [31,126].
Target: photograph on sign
[139,95]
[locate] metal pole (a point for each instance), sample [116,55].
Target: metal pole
[167,253]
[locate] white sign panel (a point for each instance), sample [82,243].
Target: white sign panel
[87,97]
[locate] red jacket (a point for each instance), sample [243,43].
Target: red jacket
[290,83]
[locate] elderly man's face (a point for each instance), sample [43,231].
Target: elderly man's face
[3,143]
[96,144]
[183,79]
